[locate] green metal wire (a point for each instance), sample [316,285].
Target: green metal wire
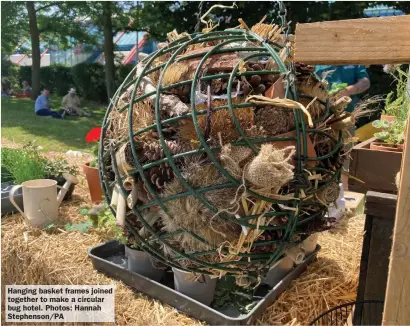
[154,243]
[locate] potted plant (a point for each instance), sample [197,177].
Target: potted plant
[91,168]
[55,168]
[392,136]
[27,163]
[376,161]
[393,123]
[17,166]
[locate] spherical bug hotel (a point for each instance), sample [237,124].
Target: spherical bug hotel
[226,156]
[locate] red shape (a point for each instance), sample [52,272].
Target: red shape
[93,135]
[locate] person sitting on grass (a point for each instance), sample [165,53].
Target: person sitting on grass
[42,106]
[26,89]
[71,104]
[6,87]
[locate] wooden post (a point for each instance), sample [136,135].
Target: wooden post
[397,302]
[355,41]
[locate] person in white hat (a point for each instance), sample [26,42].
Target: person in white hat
[71,104]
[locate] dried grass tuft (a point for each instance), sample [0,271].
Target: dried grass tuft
[142,116]
[190,214]
[175,73]
[268,32]
[312,86]
[221,122]
[61,258]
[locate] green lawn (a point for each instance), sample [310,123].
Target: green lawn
[20,124]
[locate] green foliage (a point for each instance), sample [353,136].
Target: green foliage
[164,16]
[14,23]
[20,125]
[397,105]
[381,124]
[57,78]
[337,87]
[101,216]
[22,165]
[121,72]
[94,162]
[11,72]
[83,227]
[229,294]
[394,132]
[89,80]
[55,167]
[26,164]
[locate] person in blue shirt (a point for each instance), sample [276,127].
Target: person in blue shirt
[42,106]
[355,77]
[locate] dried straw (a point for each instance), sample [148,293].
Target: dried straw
[61,258]
[190,214]
[268,32]
[142,116]
[221,122]
[330,281]
[280,102]
[176,73]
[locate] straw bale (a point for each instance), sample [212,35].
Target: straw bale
[61,258]
[330,281]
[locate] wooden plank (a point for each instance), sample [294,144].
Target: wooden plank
[397,302]
[381,205]
[356,41]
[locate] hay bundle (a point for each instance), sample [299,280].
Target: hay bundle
[190,214]
[221,124]
[224,186]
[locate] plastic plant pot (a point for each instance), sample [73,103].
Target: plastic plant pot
[278,271]
[200,288]
[140,262]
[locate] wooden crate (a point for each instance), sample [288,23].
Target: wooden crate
[377,169]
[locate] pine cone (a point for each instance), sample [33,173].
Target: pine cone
[163,173]
[302,69]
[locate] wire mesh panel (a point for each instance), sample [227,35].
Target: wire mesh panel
[352,313]
[221,146]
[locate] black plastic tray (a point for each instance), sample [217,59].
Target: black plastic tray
[109,259]
[6,206]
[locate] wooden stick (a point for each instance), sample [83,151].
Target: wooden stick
[296,254]
[114,196]
[121,210]
[397,302]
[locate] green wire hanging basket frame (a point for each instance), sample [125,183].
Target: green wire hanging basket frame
[155,240]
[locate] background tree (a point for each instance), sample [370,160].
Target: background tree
[14,22]
[111,17]
[51,22]
[164,16]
